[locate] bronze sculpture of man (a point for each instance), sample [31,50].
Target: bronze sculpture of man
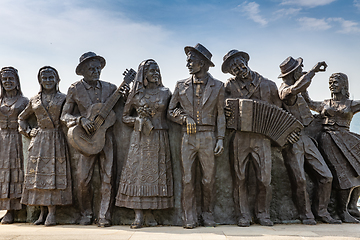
[81,96]
[250,147]
[304,150]
[198,105]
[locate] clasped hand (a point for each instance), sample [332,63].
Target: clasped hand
[190,125]
[320,67]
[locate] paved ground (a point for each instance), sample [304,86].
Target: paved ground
[26,231]
[287,232]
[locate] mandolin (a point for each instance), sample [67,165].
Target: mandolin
[103,117]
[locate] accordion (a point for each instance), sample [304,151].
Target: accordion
[261,117]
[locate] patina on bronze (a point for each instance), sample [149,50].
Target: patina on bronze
[339,146]
[304,151]
[82,95]
[249,147]
[12,103]
[48,177]
[146,179]
[198,105]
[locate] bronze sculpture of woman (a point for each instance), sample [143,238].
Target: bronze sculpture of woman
[12,103]
[146,179]
[47,178]
[339,146]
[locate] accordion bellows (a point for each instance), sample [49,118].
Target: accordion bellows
[261,117]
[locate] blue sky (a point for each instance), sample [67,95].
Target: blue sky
[50,32]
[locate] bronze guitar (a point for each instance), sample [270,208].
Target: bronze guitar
[103,117]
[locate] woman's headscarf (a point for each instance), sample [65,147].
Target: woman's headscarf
[140,81]
[14,71]
[344,83]
[49,68]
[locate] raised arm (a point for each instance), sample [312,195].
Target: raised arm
[355,106]
[316,106]
[302,83]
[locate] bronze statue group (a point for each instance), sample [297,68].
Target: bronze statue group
[200,104]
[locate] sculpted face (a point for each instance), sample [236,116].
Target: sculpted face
[239,68]
[335,85]
[153,73]
[48,79]
[194,63]
[298,72]
[8,81]
[92,70]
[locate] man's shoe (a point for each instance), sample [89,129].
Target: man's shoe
[328,219]
[309,221]
[243,222]
[190,225]
[103,222]
[265,222]
[347,218]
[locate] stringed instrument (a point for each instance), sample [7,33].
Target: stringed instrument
[102,116]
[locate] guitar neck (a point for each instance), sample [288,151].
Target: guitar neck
[110,102]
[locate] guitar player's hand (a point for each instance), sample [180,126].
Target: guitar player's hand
[87,125]
[124,90]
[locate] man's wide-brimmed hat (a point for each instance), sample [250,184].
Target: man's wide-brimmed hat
[289,65]
[86,57]
[202,50]
[225,68]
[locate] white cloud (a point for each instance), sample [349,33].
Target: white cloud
[347,26]
[50,32]
[307,3]
[286,12]
[314,23]
[251,10]
[357,4]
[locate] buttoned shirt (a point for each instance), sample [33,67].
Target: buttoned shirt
[93,91]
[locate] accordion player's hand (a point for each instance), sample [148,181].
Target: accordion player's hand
[227,111]
[293,137]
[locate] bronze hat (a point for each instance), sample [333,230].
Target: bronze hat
[87,56]
[230,55]
[289,65]
[202,50]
